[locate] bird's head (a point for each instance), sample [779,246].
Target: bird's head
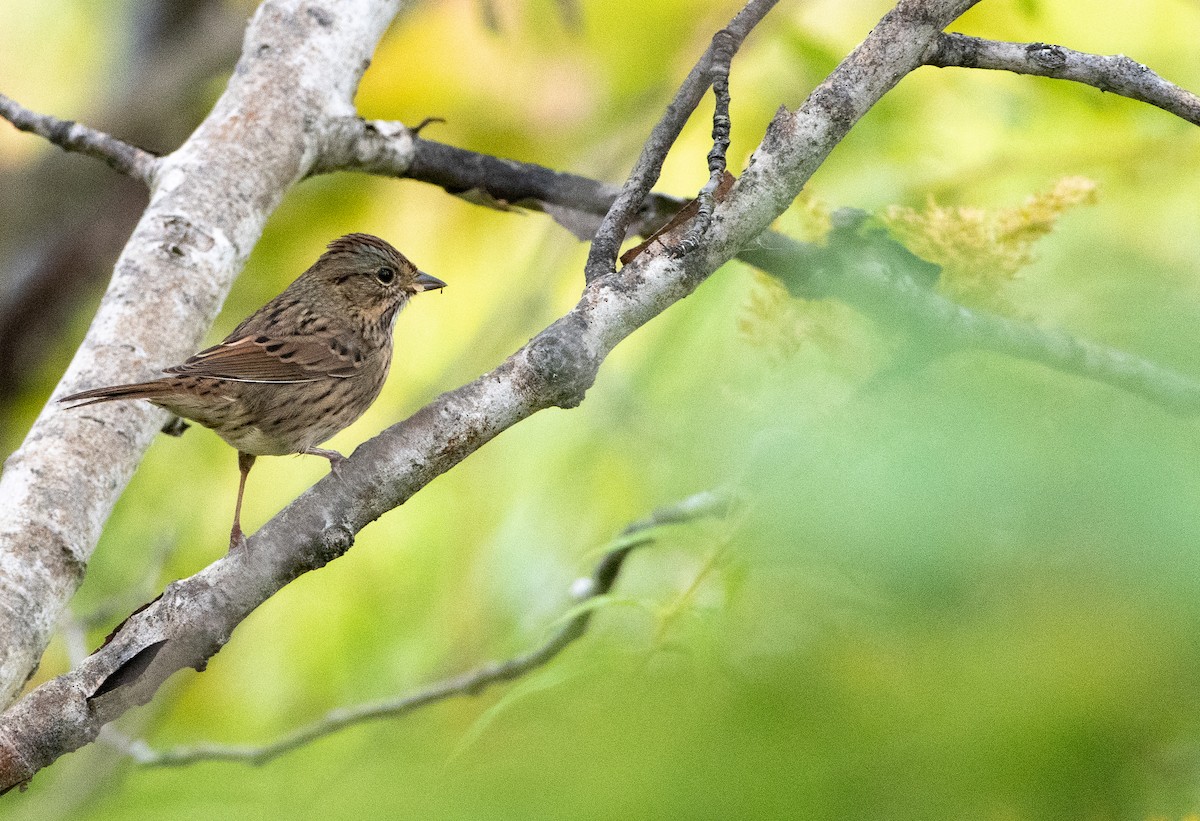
[367,276]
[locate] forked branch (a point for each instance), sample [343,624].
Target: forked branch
[714,64]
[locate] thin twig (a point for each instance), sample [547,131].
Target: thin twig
[386,148]
[71,136]
[1117,74]
[723,52]
[599,583]
[710,503]
[602,257]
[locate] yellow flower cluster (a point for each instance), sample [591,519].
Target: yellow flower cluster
[982,250]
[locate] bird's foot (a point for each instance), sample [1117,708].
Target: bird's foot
[237,539]
[336,460]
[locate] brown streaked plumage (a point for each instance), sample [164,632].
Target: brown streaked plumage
[300,368]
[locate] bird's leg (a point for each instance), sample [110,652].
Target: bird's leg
[245,462]
[335,458]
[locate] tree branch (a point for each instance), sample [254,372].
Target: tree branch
[196,616]
[602,256]
[583,591]
[71,136]
[1117,74]
[723,49]
[386,148]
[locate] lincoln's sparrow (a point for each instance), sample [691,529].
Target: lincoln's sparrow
[302,367]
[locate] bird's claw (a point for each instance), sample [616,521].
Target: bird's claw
[237,539]
[335,464]
[336,460]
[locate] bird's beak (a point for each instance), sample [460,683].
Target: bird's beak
[425,282]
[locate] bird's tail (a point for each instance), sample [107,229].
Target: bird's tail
[139,390]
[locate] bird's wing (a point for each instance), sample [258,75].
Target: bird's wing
[282,359]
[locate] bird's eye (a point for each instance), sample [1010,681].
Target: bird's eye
[385,275]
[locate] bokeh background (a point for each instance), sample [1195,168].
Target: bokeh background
[967,590]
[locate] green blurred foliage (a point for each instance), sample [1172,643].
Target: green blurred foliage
[966,592]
